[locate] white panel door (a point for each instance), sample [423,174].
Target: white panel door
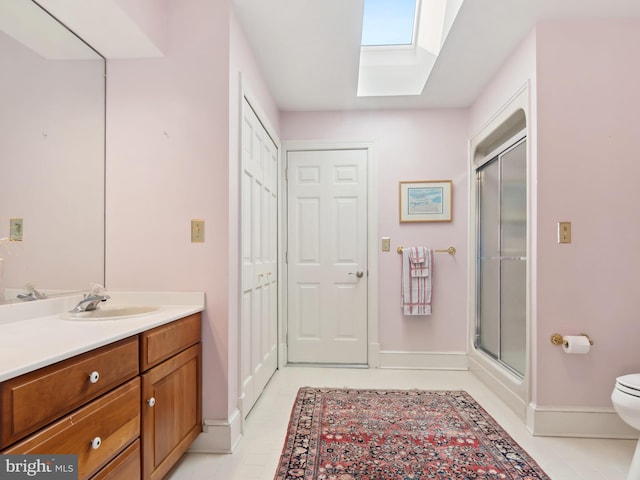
[259,318]
[327,256]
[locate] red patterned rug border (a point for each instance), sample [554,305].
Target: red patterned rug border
[300,453]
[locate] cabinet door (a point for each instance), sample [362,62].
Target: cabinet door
[171,411]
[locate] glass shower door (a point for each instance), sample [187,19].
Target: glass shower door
[501,256]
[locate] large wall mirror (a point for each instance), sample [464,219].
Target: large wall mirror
[52,151]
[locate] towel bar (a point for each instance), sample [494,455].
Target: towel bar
[450,250]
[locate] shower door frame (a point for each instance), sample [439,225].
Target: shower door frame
[496,156]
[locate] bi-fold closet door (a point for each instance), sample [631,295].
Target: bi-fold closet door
[259,308]
[501,254]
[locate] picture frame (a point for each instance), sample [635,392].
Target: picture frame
[426,201]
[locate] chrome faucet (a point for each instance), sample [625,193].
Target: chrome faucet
[90,302]
[30,293]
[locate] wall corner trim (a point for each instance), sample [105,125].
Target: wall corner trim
[219,436]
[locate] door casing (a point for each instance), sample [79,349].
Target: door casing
[373,347]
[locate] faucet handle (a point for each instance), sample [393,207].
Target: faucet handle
[30,293]
[97,289]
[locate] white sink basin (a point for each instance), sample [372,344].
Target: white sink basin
[111,312]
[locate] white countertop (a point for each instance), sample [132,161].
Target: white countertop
[34,334]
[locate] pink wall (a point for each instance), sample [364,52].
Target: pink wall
[173,134]
[168,163]
[409,145]
[243,64]
[517,70]
[584,141]
[588,170]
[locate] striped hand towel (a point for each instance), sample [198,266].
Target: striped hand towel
[416,280]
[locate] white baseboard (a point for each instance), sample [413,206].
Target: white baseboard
[577,422]
[219,436]
[424,360]
[551,421]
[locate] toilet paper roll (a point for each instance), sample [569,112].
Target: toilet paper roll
[576,344]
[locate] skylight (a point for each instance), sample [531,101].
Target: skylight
[388,22]
[401,41]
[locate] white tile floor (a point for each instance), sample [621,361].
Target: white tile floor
[257,455]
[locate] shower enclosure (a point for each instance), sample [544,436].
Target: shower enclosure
[501,254]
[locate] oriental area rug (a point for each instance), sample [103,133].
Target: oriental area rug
[345,434]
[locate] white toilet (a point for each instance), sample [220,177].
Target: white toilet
[626,401]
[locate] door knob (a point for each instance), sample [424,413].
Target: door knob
[358,273]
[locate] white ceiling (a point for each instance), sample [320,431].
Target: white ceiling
[309,49]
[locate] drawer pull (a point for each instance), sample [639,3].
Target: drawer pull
[96,442]
[94,377]
[151,401]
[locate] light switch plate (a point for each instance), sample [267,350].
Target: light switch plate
[564,232]
[197,231]
[15,229]
[386,244]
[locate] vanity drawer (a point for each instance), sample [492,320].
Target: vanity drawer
[96,432]
[167,340]
[125,466]
[32,400]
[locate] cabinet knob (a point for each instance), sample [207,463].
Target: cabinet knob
[96,442]
[94,377]
[151,401]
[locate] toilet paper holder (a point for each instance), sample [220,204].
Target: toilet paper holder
[557,339]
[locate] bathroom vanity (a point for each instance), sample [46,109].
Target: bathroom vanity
[129,405]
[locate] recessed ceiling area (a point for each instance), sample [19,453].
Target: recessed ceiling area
[403,69]
[309,50]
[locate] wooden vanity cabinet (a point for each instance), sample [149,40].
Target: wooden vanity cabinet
[129,410]
[171,360]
